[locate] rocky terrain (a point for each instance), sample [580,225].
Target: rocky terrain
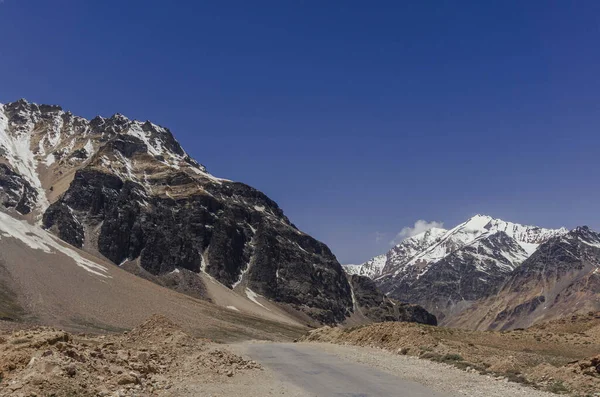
[374,305]
[446,271]
[126,191]
[155,358]
[561,356]
[561,278]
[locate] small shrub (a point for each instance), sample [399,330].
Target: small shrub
[431,356]
[452,357]
[516,377]
[558,387]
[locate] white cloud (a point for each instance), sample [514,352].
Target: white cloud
[419,227]
[379,237]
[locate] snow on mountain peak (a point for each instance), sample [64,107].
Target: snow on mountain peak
[435,244]
[371,268]
[45,145]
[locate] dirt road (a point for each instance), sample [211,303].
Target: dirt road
[323,374]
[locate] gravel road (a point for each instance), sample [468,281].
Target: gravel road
[323,369]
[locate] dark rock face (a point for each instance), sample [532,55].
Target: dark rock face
[126,145]
[15,191]
[377,307]
[218,233]
[468,274]
[61,220]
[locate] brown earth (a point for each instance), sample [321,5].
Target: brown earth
[152,359]
[561,356]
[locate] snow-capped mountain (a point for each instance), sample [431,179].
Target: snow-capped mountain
[43,146]
[398,255]
[477,227]
[372,268]
[443,269]
[436,243]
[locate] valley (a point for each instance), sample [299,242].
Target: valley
[124,263]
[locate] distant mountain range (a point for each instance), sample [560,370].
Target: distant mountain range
[450,271]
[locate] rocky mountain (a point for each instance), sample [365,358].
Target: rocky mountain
[126,191]
[561,278]
[446,270]
[373,304]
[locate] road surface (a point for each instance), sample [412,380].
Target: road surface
[322,374]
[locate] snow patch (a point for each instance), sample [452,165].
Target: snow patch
[233,308]
[39,239]
[137,131]
[530,248]
[252,296]
[17,148]
[89,147]
[50,159]
[591,244]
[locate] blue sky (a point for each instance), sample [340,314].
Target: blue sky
[358,118]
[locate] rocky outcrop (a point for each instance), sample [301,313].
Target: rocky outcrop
[15,191]
[521,310]
[157,357]
[377,307]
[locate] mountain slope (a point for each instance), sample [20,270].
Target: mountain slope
[398,256]
[126,190]
[46,281]
[461,277]
[446,270]
[560,279]
[371,304]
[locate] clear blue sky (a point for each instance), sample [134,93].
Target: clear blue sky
[358,118]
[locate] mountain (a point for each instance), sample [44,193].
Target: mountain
[561,278]
[398,255]
[446,270]
[126,192]
[372,304]
[371,268]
